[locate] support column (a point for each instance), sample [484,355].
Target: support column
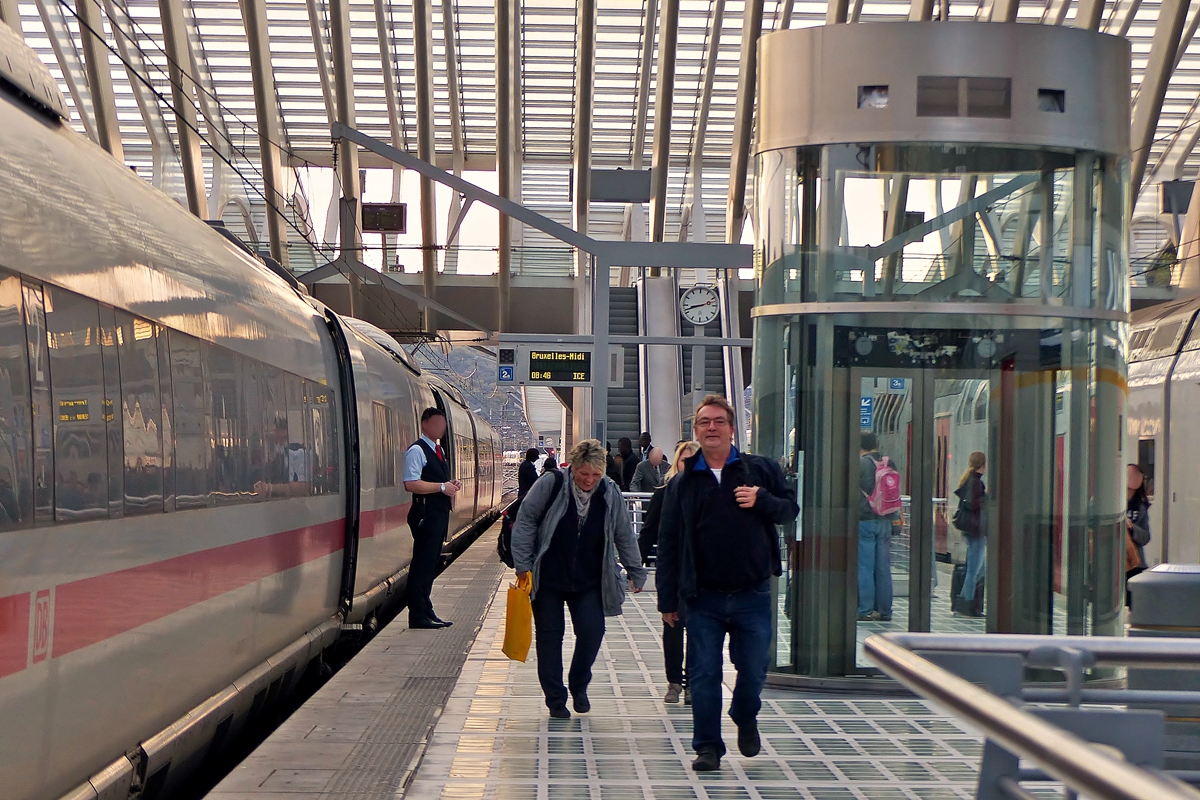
[1163,47]
[585,59]
[743,121]
[187,131]
[504,155]
[10,14]
[668,41]
[423,67]
[266,108]
[350,214]
[458,148]
[383,34]
[99,75]
[1089,14]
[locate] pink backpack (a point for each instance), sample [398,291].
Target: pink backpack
[885,499]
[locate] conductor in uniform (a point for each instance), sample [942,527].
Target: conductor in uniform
[427,478]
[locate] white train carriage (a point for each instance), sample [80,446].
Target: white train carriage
[200,469]
[1163,426]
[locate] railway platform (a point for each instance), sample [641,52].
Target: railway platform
[427,715]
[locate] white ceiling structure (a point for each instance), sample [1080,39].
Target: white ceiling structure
[382,31]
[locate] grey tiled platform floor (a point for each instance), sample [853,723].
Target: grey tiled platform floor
[361,734]
[494,740]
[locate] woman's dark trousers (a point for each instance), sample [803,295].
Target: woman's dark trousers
[587,620]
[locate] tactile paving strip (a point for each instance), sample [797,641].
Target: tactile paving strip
[495,740]
[362,733]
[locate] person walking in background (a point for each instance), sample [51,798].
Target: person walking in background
[672,638]
[717,550]
[644,445]
[649,473]
[1137,523]
[569,535]
[969,519]
[878,506]
[612,466]
[551,462]
[627,460]
[527,473]
[427,478]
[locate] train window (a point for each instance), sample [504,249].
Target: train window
[16,463]
[981,404]
[141,413]
[167,400]
[254,404]
[299,447]
[1193,340]
[1165,335]
[230,451]
[77,396]
[39,389]
[193,433]
[321,420]
[276,419]
[108,408]
[385,444]
[1146,462]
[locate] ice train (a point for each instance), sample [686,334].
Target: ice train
[201,469]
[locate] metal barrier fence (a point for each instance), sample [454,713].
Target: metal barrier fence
[637,503]
[1104,753]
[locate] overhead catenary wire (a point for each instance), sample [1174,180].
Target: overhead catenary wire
[395,312]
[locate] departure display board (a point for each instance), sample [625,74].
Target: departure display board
[73,411]
[560,366]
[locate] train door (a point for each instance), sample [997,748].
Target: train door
[911,562]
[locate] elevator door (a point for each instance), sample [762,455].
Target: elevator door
[913,564]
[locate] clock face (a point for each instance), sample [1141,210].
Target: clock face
[700,305]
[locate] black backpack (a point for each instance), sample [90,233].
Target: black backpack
[509,518]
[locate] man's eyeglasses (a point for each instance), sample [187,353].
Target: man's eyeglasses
[715,422]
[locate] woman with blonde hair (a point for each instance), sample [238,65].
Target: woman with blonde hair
[672,634]
[569,535]
[968,518]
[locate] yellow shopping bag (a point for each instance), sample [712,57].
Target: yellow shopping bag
[518,619]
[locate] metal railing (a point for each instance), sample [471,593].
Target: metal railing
[637,503]
[1077,747]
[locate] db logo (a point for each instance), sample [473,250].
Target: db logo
[41,627]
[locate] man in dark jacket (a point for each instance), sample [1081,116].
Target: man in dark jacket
[717,550]
[629,461]
[527,473]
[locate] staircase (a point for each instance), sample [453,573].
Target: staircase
[714,363]
[624,408]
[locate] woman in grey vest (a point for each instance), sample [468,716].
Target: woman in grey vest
[571,531]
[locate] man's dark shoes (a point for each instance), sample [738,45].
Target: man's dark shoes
[707,760]
[582,706]
[427,624]
[560,712]
[749,743]
[440,621]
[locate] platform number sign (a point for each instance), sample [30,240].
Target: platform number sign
[866,413]
[895,384]
[506,359]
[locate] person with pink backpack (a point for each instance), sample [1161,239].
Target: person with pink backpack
[878,505]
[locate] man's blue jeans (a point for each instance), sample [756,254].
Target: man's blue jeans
[875,566]
[746,617]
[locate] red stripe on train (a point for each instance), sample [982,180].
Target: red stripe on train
[94,609]
[14,633]
[381,520]
[91,610]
